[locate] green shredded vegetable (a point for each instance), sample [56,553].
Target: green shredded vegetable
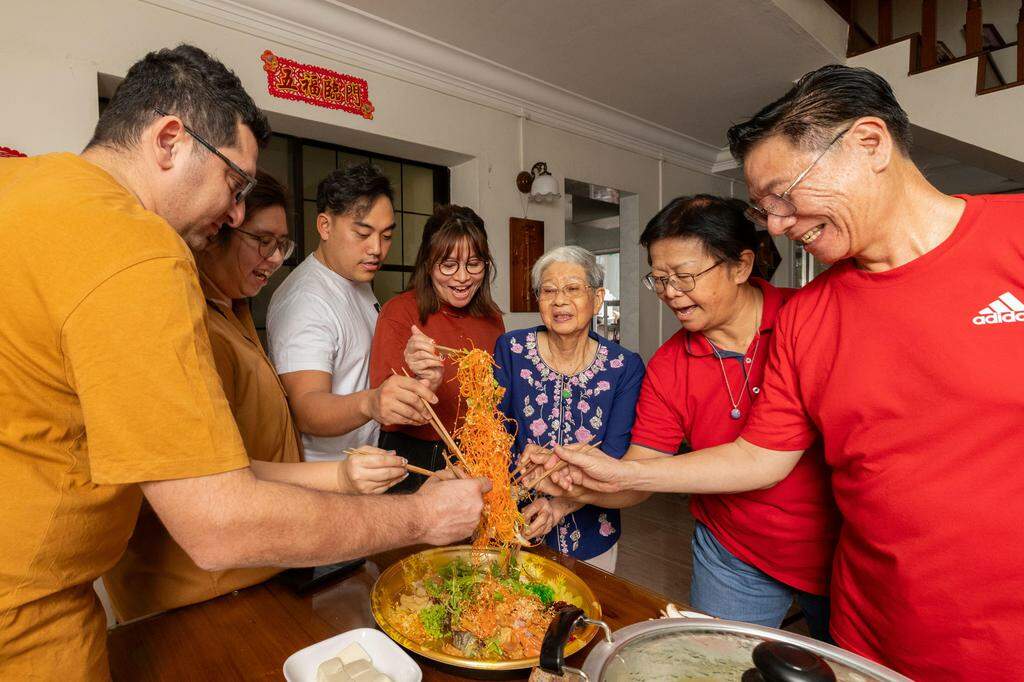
[543,592]
[432,618]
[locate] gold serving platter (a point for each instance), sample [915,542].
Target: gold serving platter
[393,582]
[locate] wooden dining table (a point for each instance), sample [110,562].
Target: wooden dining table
[248,634]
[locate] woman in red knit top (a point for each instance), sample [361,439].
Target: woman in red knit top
[448,302]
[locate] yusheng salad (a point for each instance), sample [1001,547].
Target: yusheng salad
[483,608]
[485,439]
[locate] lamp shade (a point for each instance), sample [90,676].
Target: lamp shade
[544,187]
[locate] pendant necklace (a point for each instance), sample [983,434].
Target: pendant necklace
[566,392]
[735,413]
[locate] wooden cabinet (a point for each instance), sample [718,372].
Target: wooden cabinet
[526,246]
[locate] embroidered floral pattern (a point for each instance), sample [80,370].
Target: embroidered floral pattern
[567,409]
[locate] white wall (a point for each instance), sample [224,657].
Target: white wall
[943,100]
[53,51]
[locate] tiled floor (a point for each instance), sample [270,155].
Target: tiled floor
[655,549]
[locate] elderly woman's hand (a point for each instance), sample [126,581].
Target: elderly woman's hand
[422,358]
[536,461]
[544,513]
[587,467]
[370,472]
[540,517]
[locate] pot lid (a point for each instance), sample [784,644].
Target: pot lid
[708,649]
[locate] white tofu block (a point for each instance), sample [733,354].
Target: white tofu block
[352,653]
[332,670]
[362,671]
[381,677]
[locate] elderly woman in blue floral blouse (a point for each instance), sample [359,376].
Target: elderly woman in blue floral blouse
[565,384]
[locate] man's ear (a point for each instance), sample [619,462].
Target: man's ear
[323,226]
[167,139]
[870,135]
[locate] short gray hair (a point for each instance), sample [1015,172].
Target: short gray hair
[569,254]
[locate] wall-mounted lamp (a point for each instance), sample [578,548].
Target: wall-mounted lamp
[539,183]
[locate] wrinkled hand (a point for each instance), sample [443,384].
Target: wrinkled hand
[588,468]
[541,516]
[542,460]
[451,509]
[422,358]
[398,401]
[371,473]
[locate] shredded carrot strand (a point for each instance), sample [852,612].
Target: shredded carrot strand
[486,445]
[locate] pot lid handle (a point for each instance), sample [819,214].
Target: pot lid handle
[782,662]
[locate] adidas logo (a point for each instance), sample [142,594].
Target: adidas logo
[1006,308]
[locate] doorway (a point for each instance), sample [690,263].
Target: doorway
[599,219]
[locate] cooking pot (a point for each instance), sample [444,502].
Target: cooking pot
[704,649]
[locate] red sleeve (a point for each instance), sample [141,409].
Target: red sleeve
[660,424]
[778,420]
[394,327]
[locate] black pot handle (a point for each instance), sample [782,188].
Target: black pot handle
[782,662]
[552,649]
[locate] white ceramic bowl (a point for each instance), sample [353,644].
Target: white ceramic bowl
[386,656]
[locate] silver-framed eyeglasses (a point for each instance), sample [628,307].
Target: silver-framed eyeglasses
[267,244]
[450,266]
[549,292]
[681,282]
[779,205]
[247,181]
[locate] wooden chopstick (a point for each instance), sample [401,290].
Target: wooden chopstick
[408,467]
[450,351]
[558,467]
[443,433]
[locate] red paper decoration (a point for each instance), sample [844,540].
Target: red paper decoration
[7,151]
[289,79]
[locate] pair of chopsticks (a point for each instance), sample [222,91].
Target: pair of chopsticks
[408,467]
[523,472]
[446,437]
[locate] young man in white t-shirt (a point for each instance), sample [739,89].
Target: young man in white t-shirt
[321,321]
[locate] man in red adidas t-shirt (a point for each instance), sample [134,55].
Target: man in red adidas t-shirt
[907,357]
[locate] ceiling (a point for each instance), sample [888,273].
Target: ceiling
[691,66]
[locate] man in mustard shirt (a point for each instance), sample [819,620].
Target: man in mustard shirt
[108,390]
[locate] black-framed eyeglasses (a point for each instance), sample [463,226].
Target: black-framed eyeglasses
[266,244]
[248,181]
[779,205]
[549,292]
[474,266]
[681,282]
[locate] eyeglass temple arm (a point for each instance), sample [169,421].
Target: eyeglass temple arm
[813,163]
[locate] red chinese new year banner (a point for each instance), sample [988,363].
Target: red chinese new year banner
[7,151]
[289,79]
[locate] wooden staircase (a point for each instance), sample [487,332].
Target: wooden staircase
[998,68]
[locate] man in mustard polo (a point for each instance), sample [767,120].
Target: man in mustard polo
[108,390]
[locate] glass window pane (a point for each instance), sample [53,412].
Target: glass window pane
[345,159]
[317,162]
[274,160]
[417,189]
[394,256]
[412,235]
[392,170]
[387,284]
[309,227]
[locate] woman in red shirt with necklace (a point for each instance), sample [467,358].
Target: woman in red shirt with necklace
[753,552]
[449,303]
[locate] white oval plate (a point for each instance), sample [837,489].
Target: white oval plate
[386,656]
